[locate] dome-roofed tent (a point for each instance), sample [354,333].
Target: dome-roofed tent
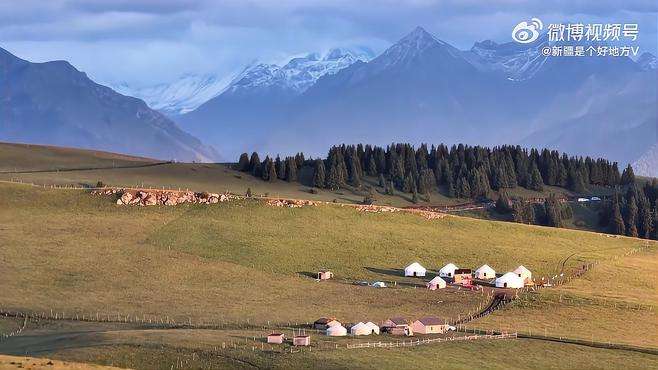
[415,269]
[448,270]
[509,280]
[523,273]
[360,329]
[336,331]
[485,272]
[373,327]
[436,283]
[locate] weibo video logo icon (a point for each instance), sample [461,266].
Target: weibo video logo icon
[527,32]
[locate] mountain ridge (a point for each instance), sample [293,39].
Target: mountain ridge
[54,103]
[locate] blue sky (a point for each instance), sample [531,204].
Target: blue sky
[149,41]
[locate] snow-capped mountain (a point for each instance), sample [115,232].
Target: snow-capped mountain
[515,61]
[299,73]
[181,96]
[422,89]
[250,106]
[647,61]
[647,165]
[190,91]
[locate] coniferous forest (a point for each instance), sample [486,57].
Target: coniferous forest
[479,173]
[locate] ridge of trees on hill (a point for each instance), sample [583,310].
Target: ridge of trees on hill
[464,171]
[634,213]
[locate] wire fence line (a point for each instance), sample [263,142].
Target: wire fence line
[16,332]
[418,342]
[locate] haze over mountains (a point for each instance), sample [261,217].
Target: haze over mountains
[54,103]
[421,89]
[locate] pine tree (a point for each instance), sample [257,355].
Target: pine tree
[628,176]
[414,197]
[280,167]
[655,221]
[536,182]
[553,211]
[529,214]
[617,222]
[291,169]
[355,177]
[243,163]
[382,181]
[463,188]
[503,203]
[631,217]
[390,189]
[255,165]
[318,174]
[268,170]
[575,181]
[517,212]
[645,218]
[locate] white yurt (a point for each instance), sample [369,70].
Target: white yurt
[360,329]
[448,270]
[374,328]
[415,269]
[509,280]
[523,273]
[485,272]
[336,331]
[436,283]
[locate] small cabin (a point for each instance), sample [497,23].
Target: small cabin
[301,340]
[394,322]
[429,325]
[463,276]
[325,274]
[276,338]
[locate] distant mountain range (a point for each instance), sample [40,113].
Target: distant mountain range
[181,96]
[54,103]
[422,89]
[190,91]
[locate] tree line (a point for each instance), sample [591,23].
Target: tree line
[461,171]
[634,213]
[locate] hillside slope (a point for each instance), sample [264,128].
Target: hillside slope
[54,103]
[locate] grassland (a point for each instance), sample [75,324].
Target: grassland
[243,261]
[615,302]
[213,177]
[518,354]
[23,157]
